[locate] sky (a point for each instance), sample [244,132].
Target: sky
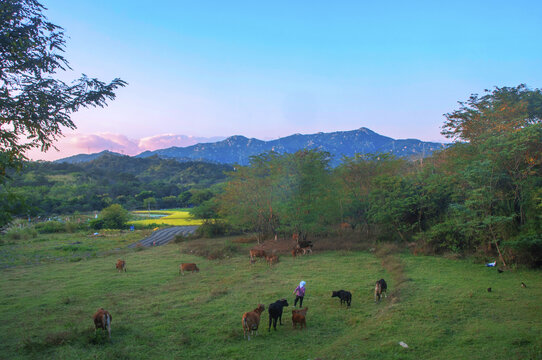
[201,71]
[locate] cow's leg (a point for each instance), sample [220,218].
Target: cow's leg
[270,320]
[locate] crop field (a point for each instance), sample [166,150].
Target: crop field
[439,307]
[172,217]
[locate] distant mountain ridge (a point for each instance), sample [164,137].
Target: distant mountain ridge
[82,158]
[238,149]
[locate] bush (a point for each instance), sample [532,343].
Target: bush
[96,224]
[50,227]
[526,249]
[114,217]
[214,229]
[24,233]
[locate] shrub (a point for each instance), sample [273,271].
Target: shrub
[526,249]
[96,224]
[24,233]
[114,217]
[50,227]
[211,229]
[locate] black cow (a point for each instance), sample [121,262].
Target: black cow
[345,296]
[275,312]
[380,288]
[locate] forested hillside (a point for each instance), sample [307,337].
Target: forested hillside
[48,188]
[482,194]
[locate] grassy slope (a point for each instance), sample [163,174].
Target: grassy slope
[442,311]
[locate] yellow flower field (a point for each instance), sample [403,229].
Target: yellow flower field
[173,218]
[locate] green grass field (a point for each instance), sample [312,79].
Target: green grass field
[172,218]
[439,307]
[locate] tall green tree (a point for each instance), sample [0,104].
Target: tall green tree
[34,103]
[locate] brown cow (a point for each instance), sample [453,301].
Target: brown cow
[298,317]
[102,320]
[188,267]
[251,321]
[121,265]
[296,251]
[272,259]
[254,253]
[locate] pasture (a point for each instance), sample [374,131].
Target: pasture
[439,307]
[171,217]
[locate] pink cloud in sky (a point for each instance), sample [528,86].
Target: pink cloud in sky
[168,140]
[73,144]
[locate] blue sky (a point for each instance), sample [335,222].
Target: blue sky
[269,69]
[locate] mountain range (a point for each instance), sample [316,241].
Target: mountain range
[238,149]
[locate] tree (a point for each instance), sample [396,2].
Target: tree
[503,110]
[34,103]
[114,217]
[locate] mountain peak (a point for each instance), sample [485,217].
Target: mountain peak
[238,149]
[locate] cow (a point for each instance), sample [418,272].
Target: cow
[121,265]
[256,253]
[380,287]
[345,296]
[272,259]
[275,312]
[188,267]
[298,317]
[251,321]
[102,320]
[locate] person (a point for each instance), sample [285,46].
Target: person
[299,293]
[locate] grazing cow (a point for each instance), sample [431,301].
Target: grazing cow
[251,321]
[272,259]
[255,253]
[380,287]
[298,317]
[102,320]
[345,296]
[275,312]
[188,267]
[121,265]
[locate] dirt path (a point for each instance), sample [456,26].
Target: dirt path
[164,236]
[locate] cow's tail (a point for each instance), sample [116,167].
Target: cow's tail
[246,328]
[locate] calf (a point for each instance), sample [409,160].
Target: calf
[102,320]
[275,312]
[251,321]
[272,259]
[380,287]
[345,296]
[254,253]
[188,267]
[121,265]
[298,317]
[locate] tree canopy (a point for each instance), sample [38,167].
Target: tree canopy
[34,103]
